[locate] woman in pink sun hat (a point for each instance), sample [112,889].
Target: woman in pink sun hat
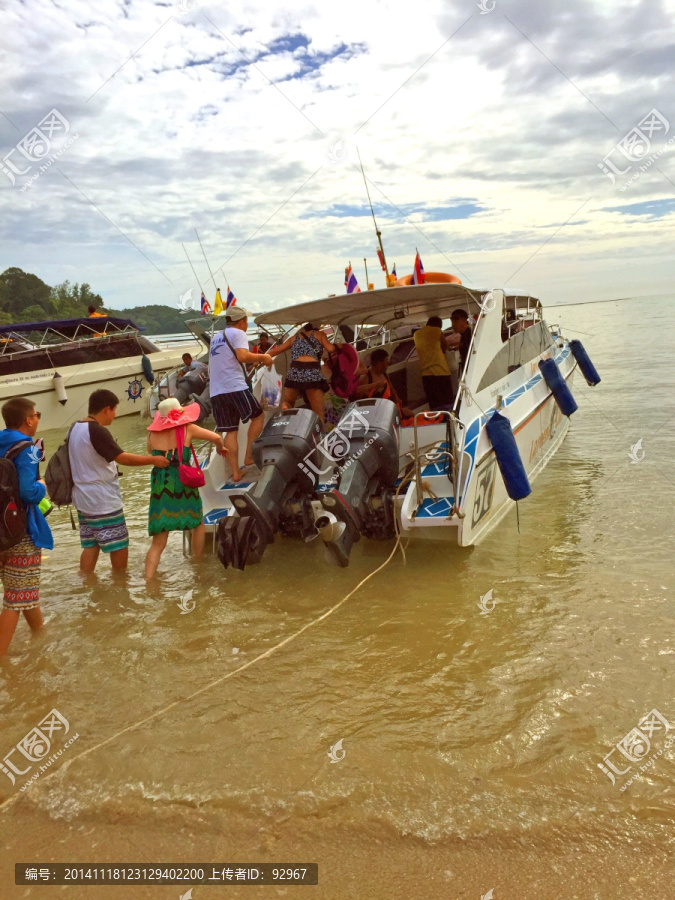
[175,506]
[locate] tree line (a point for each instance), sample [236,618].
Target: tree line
[26,298]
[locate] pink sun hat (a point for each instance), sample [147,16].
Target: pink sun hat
[170,414]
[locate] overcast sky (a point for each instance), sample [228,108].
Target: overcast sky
[481,133]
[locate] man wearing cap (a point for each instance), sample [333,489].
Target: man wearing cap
[231,396]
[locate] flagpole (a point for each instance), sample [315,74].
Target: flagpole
[377,230]
[205,259]
[193,269]
[365,265]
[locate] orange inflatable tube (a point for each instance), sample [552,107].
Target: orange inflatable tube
[431,278]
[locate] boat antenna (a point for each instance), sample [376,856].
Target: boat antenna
[193,269]
[377,230]
[205,259]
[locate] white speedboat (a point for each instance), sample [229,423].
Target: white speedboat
[449,476]
[59,363]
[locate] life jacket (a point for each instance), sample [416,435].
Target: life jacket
[379,390]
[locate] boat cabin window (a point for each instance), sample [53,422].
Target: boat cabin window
[74,353]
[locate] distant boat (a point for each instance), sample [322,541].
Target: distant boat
[59,363]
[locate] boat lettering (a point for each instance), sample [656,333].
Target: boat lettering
[500,389]
[17,380]
[485,486]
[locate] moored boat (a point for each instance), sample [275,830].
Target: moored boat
[59,363]
[450,475]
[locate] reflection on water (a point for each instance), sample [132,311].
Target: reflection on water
[456,726]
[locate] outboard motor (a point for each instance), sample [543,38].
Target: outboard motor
[282,497]
[365,443]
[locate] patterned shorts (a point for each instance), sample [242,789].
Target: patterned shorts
[20,574]
[108,532]
[235,407]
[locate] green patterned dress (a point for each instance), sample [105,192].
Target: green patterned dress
[173,506]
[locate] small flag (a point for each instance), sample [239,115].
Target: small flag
[393,271]
[206,309]
[380,256]
[418,271]
[231,300]
[218,305]
[351,283]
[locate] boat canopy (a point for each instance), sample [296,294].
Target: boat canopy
[71,328]
[407,305]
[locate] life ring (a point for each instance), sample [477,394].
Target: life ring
[431,278]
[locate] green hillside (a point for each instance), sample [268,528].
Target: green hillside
[26,298]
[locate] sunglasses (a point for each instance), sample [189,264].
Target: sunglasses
[35,415]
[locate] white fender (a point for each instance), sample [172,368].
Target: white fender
[60,389]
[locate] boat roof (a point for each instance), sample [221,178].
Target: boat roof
[70,328]
[405,305]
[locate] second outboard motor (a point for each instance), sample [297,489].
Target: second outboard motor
[281,499]
[365,442]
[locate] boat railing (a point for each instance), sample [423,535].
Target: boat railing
[436,455]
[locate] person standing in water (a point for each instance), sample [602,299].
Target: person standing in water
[20,564]
[175,506]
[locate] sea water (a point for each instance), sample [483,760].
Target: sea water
[420,742]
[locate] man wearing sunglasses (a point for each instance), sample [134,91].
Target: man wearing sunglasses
[20,563]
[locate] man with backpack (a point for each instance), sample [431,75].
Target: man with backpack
[93,453]
[24,532]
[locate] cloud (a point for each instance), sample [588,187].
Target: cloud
[478,148]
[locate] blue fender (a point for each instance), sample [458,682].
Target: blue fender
[146,365]
[508,457]
[558,387]
[588,370]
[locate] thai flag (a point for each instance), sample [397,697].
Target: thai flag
[418,271]
[231,299]
[206,309]
[393,272]
[351,283]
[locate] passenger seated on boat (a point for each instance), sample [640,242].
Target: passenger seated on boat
[304,375]
[431,345]
[192,380]
[508,328]
[191,365]
[375,382]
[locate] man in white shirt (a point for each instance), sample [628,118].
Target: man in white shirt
[231,396]
[93,454]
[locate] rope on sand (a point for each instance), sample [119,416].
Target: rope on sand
[217,681]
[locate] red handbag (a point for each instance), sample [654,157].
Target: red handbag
[190,476]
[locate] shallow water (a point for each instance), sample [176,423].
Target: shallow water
[467,737]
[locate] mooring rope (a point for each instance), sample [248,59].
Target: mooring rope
[220,680]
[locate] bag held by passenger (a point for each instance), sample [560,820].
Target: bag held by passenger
[58,476]
[12,507]
[190,476]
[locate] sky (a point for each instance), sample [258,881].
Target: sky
[515,144]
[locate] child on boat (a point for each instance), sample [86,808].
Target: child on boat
[175,506]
